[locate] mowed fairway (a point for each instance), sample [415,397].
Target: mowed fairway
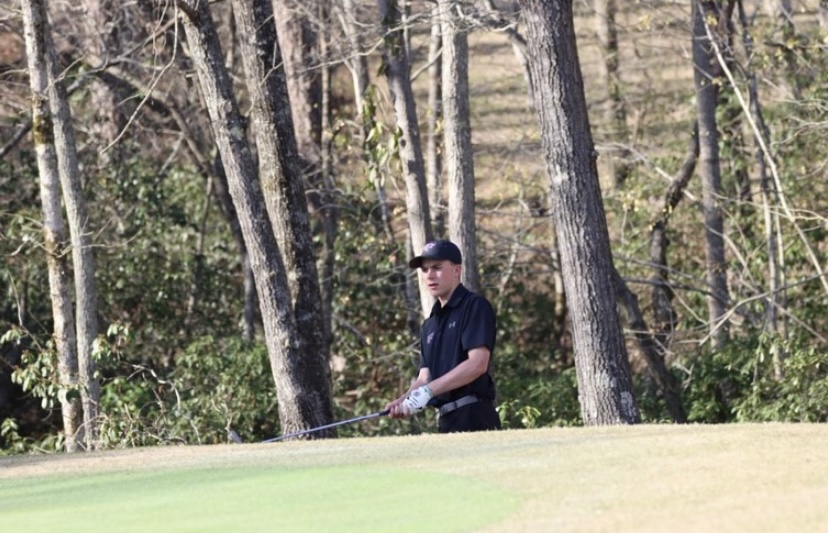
[771,477]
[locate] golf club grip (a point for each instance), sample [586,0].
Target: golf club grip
[329,426]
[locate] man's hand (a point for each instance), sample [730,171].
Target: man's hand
[417,400]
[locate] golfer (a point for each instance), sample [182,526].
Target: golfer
[456,345]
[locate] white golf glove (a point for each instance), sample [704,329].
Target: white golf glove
[417,400]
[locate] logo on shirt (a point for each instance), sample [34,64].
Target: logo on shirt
[429,338]
[452,324]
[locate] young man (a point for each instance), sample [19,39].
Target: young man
[456,346]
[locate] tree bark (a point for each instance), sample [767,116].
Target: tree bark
[397,72]
[302,402]
[299,47]
[604,382]
[458,162]
[39,53]
[281,178]
[706,75]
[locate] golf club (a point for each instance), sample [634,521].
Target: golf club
[328,426]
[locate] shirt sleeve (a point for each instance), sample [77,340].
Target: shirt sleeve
[480,327]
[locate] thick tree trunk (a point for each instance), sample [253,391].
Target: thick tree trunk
[222,192]
[302,404]
[397,72]
[281,178]
[604,382]
[299,53]
[706,73]
[39,54]
[458,163]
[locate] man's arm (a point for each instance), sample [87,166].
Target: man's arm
[464,373]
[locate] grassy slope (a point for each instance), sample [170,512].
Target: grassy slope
[770,477]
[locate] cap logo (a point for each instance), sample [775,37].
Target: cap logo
[429,247]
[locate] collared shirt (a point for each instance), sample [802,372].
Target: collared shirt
[466,322]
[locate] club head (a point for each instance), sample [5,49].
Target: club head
[233,436]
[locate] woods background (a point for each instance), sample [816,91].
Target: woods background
[711,170]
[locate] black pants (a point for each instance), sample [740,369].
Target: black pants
[478,416]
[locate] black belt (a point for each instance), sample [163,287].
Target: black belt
[446,408]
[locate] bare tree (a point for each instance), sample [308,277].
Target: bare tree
[40,54]
[604,382]
[396,68]
[707,75]
[303,396]
[458,162]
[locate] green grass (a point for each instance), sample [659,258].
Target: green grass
[771,477]
[337,498]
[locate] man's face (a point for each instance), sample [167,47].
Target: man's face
[441,277]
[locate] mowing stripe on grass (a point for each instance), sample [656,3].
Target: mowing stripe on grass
[342,499]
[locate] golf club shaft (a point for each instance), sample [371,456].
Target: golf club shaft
[329,426]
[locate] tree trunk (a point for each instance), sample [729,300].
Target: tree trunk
[302,397]
[397,72]
[706,74]
[356,60]
[40,53]
[222,192]
[281,179]
[664,315]
[86,291]
[776,300]
[615,111]
[433,156]
[298,42]
[604,382]
[458,162]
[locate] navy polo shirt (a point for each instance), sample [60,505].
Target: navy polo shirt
[466,322]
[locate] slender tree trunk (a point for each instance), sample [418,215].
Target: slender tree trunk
[664,315]
[496,21]
[39,54]
[652,350]
[397,72]
[433,156]
[357,62]
[615,110]
[706,74]
[458,162]
[776,293]
[83,260]
[302,398]
[604,382]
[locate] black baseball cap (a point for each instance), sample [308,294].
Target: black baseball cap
[439,250]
